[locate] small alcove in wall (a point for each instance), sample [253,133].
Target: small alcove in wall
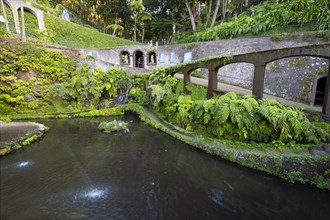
[319,87]
[124,57]
[152,58]
[138,59]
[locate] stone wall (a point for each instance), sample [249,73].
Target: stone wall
[280,75]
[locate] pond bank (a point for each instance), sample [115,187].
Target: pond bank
[310,165]
[15,135]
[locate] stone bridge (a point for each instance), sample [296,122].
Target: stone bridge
[15,5]
[259,60]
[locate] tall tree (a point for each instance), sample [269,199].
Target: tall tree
[191,15]
[144,17]
[113,14]
[136,7]
[215,13]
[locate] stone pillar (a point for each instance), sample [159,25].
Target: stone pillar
[23,24]
[326,102]
[258,81]
[16,20]
[145,61]
[212,82]
[131,61]
[186,79]
[41,23]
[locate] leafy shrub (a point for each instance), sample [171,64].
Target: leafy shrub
[267,16]
[108,127]
[138,96]
[198,74]
[235,117]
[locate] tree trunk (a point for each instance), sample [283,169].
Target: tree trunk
[5,16]
[224,9]
[135,23]
[143,34]
[215,13]
[208,14]
[246,4]
[191,15]
[198,12]
[114,32]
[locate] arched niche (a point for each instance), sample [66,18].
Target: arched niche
[319,89]
[124,57]
[152,58]
[138,59]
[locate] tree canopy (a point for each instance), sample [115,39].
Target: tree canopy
[144,20]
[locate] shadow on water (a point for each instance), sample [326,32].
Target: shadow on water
[78,172]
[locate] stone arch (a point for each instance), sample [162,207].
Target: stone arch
[237,74]
[152,58]
[138,59]
[319,89]
[15,6]
[124,57]
[292,78]
[31,27]
[9,14]
[298,55]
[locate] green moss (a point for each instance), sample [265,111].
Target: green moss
[299,61]
[321,182]
[275,67]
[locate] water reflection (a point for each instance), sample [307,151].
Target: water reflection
[24,164]
[95,193]
[77,172]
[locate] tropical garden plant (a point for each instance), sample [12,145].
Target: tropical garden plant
[234,117]
[112,126]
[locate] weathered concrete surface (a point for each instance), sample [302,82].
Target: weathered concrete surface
[14,135]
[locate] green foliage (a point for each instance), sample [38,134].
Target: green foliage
[138,96]
[24,69]
[89,87]
[235,117]
[323,125]
[197,92]
[75,36]
[267,16]
[197,73]
[108,127]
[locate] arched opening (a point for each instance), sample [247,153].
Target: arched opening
[124,58]
[320,90]
[237,74]
[295,78]
[200,73]
[152,58]
[139,61]
[31,22]
[10,17]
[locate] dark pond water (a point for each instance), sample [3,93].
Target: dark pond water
[77,172]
